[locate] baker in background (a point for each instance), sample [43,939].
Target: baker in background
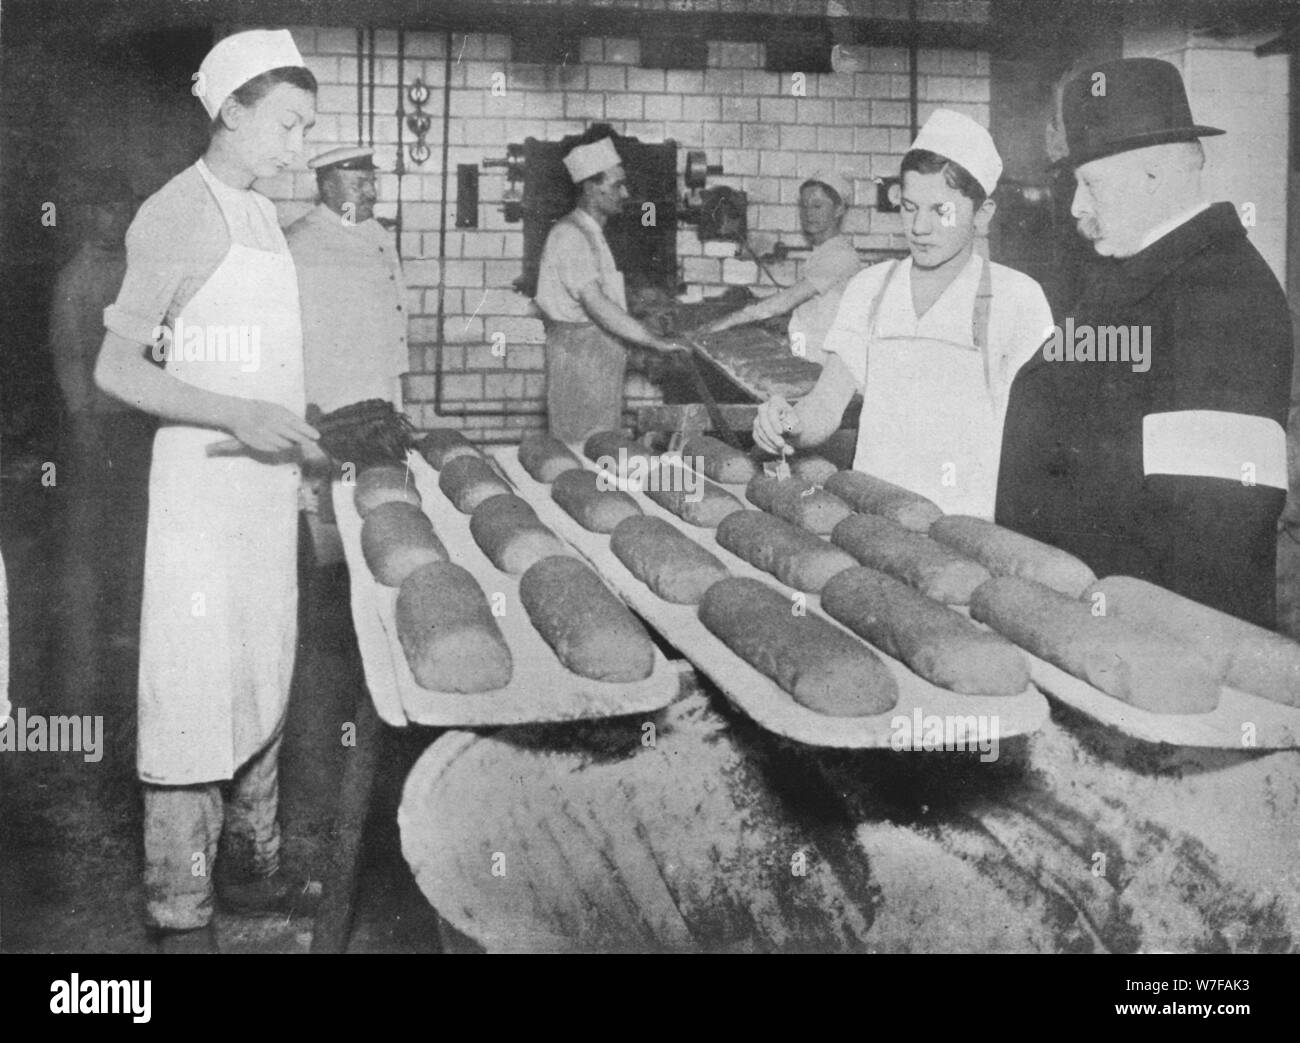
[814,299]
[108,443]
[354,312]
[932,341]
[1173,470]
[580,292]
[351,286]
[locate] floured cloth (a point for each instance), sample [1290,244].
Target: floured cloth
[719,838]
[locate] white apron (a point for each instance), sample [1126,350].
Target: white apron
[931,419]
[221,588]
[586,368]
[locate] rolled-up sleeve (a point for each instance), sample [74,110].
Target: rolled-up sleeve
[173,246]
[155,271]
[848,333]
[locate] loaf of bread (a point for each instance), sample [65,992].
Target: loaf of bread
[796,557]
[386,483]
[545,457]
[871,495]
[508,531]
[799,502]
[593,507]
[591,631]
[822,667]
[1007,553]
[451,640]
[1243,655]
[811,467]
[469,480]
[937,571]
[719,461]
[613,450]
[703,504]
[665,559]
[396,539]
[443,444]
[1142,667]
[934,641]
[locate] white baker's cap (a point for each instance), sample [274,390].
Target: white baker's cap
[835,179]
[586,161]
[237,59]
[962,140]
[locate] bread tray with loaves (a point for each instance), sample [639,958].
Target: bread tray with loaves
[760,698]
[541,689]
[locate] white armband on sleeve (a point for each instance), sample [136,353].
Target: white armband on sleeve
[1208,443]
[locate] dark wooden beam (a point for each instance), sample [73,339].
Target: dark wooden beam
[441,15]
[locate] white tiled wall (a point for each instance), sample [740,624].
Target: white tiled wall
[767,134]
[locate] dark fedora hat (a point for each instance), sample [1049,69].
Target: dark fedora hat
[1126,104]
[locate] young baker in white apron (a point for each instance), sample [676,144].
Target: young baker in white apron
[933,342]
[220,597]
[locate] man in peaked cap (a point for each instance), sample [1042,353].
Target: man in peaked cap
[1147,436]
[580,291]
[353,296]
[351,285]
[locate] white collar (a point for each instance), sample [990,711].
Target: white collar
[1165,227]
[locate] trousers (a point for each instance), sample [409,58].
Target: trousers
[188,828]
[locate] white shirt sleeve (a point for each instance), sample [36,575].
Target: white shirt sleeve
[848,333]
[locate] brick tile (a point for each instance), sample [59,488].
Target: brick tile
[835,85]
[686,81]
[663,107]
[777,110]
[646,80]
[759,82]
[739,110]
[623,106]
[584,106]
[760,136]
[606,78]
[815,111]
[724,81]
[720,135]
[462,386]
[890,113]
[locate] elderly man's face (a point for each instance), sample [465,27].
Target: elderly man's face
[1113,204]
[351,193]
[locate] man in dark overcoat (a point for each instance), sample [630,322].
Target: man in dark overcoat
[1147,436]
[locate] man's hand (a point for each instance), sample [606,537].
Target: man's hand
[775,419]
[268,428]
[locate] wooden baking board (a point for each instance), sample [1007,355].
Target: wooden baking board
[541,689]
[1272,726]
[754,693]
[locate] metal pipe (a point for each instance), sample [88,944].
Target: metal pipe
[371,136]
[442,230]
[361,80]
[913,73]
[399,168]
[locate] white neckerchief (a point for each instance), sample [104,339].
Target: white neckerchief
[1165,227]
